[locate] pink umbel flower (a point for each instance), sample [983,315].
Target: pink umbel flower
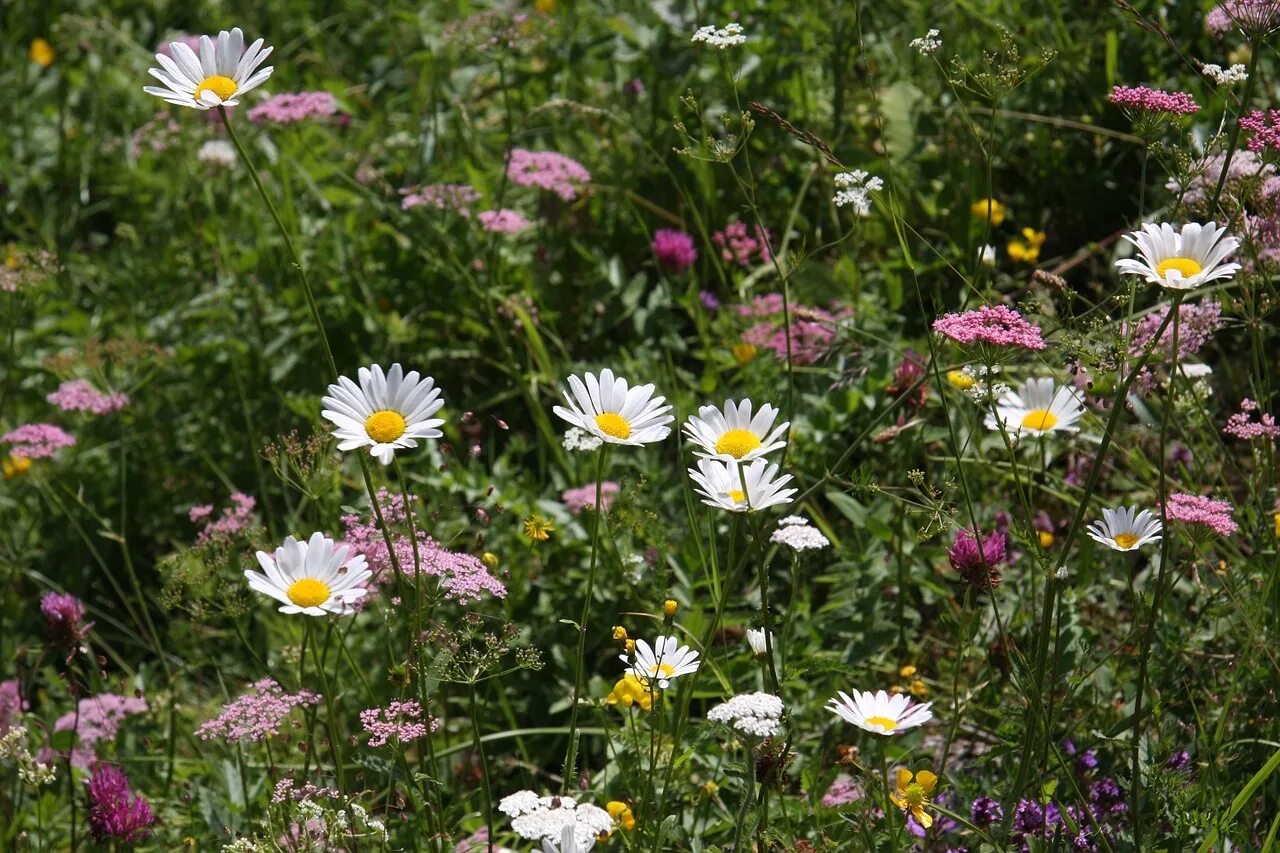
[294,107]
[114,810]
[233,520]
[64,624]
[1242,424]
[37,441]
[79,395]
[674,250]
[11,703]
[399,720]
[97,719]
[1207,512]
[463,578]
[813,330]
[999,325]
[738,245]
[256,714]
[584,497]
[547,170]
[1253,17]
[455,197]
[1147,100]
[504,221]
[1264,130]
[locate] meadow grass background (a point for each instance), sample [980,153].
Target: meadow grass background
[167,280]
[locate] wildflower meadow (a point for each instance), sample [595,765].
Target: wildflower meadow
[556,426]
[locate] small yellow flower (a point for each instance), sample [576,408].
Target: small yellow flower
[1046,539]
[490,559]
[1027,250]
[710,788]
[16,466]
[913,796]
[907,670]
[962,379]
[988,208]
[919,688]
[744,353]
[538,529]
[896,689]
[1277,521]
[41,52]
[629,691]
[619,633]
[544,7]
[621,813]
[631,647]
[669,607]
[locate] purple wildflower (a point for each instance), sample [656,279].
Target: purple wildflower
[842,792]
[233,520]
[37,441]
[11,703]
[78,395]
[256,714]
[292,107]
[64,624]
[399,720]
[584,497]
[455,197]
[114,810]
[737,244]
[674,250]
[1179,762]
[979,565]
[1241,424]
[547,170]
[998,325]
[708,300]
[1148,100]
[504,221]
[1210,513]
[986,811]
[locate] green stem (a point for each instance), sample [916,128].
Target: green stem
[484,764]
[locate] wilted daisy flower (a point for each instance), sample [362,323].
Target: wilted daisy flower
[663,661]
[735,435]
[385,412]
[721,485]
[856,188]
[879,712]
[1181,260]
[218,76]
[612,412]
[314,577]
[928,44]
[727,36]
[756,640]
[795,532]
[1125,528]
[1037,408]
[756,714]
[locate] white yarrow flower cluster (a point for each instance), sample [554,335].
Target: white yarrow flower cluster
[580,440]
[756,714]
[729,35]
[13,747]
[928,44]
[1231,76]
[544,818]
[856,188]
[795,532]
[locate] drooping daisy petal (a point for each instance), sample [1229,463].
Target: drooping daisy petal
[879,712]
[220,75]
[1181,259]
[748,488]
[1125,528]
[609,409]
[386,412]
[314,577]
[1038,408]
[733,435]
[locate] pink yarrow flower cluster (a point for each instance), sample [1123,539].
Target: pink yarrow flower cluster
[455,197]
[234,519]
[842,792]
[999,325]
[1207,512]
[11,703]
[738,245]
[1252,16]
[1148,100]
[504,221]
[547,170]
[1242,424]
[813,330]
[399,720]
[674,250]
[79,395]
[1264,130]
[114,810]
[37,441]
[97,719]
[292,107]
[463,578]
[256,714]
[584,497]
[1197,324]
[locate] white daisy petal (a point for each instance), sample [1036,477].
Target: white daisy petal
[384,412]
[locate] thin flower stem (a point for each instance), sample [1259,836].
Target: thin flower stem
[571,751]
[484,762]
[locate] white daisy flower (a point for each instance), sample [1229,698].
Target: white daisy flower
[756,640]
[569,842]
[314,577]
[879,712]
[667,659]
[1038,408]
[721,485]
[734,435]
[1125,528]
[1181,260]
[607,409]
[217,77]
[385,412]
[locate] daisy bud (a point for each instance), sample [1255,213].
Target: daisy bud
[669,607]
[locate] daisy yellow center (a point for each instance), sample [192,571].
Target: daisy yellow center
[1039,419]
[1187,266]
[384,426]
[308,592]
[886,723]
[223,87]
[915,796]
[737,443]
[614,424]
[1125,540]
[662,669]
[736,495]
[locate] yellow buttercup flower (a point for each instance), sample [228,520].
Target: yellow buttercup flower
[619,633]
[16,466]
[629,691]
[1046,539]
[907,670]
[912,795]
[988,208]
[1027,250]
[669,607]
[621,813]
[744,353]
[919,688]
[41,52]
[538,529]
